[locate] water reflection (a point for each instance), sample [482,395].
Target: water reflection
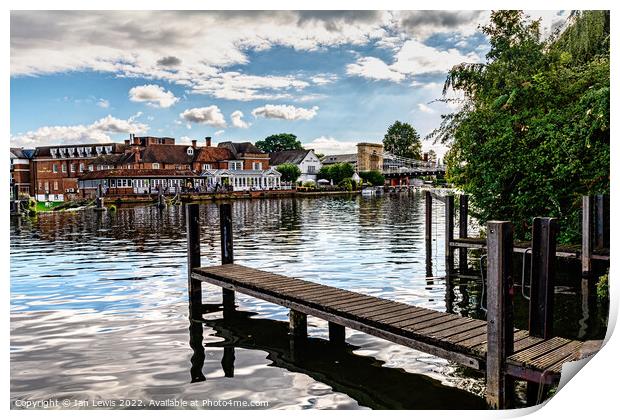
[362,378]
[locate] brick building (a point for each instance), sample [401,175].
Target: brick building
[20,169]
[56,169]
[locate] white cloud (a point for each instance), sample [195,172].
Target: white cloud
[331,146]
[219,132]
[188,49]
[97,132]
[373,68]
[103,103]
[210,115]
[153,95]
[417,58]
[426,109]
[236,119]
[323,79]
[285,112]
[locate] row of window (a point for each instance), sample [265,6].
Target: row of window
[74,167]
[235,165]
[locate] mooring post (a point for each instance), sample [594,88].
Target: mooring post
[298,324]
[463,213]
[428,230]
[449,232]
[602,221]
[336,334]
[542,274]
[194,287]
[228,296]
[500,334]
[586,234]
[161,200]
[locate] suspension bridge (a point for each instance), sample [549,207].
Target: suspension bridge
[400,170]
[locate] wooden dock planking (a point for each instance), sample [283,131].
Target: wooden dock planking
[449,336]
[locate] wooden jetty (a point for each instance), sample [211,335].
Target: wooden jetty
[595,231]
[495,347]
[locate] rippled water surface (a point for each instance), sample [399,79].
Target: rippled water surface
[99,307]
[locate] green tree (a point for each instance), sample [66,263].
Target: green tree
[336,172]
[403,140]
[432,156]
[290,172]
[532,135]
[374,178]
[279,142]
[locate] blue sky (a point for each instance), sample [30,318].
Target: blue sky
[332,78]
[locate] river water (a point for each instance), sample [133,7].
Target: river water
[99,310]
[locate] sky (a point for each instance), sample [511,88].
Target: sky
[333,78]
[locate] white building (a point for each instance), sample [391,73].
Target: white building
[307,162]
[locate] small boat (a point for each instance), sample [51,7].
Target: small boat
[369,192]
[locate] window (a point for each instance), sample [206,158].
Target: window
[73,166]
[235,165]
[55,185]
[81,167]
[156,166]
[190,151]
[47,187]
[55,168]
[64,168]
[257,166]
[91,167]
[206,166]
[311,169]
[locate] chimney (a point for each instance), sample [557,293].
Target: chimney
[208,140]
[194,143]
[127,142]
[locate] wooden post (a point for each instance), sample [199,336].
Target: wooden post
[428,231]
[298,324]
[99,198]
[336,334]
[228,296]
[586,234]
[463,213]
[194,287]
[542,275]
[544,234]
[602,221]
[500,334]
[449,231]
[161,200]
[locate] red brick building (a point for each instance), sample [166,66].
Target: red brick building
[55,170]
[20,170]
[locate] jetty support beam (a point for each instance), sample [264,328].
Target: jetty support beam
[194,287]
[463,213]
[587,211]
[542,274]
[226,237]
[500,325]
[336,334]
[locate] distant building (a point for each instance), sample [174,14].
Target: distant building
[56,169]
[20,169]
[369,157]
[307,162]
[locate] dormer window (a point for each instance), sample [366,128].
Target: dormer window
[108,149]
[98,149]
[190,151]
[53,152]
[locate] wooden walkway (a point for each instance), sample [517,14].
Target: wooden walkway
[563,251]
[458,339]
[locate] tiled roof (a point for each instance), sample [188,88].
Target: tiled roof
[167,153]
[339,158]
[239,149]
[213,154]
[117,159]
[137,173]
[287,156]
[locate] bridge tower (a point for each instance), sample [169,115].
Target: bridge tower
[369,157]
